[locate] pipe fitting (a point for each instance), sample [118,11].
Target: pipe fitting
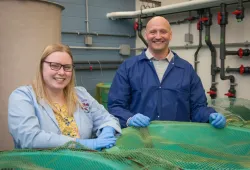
[231,92]
[207,19]
[140,26]
[241,52]
[222,16]
[213,92]
[244,70]
[239,12]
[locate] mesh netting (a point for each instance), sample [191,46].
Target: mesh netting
[237,111]
[163,145]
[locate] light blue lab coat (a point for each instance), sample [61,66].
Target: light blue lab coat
[32,124]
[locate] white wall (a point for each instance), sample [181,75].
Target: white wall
[235,32]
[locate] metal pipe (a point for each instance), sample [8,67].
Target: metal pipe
[87,15]
[97,34]
[101,48]
[139,31]
[200,28]
[169,9]
[189,24]
[178,22]
[96,68]
[98,62]
[231,52]
[208,23]
[239,44]
[178,12]
[197,51]
[223,23]
[240,3]
[241,70]
[208,41]
[228,70]
[138,49]
[94,48]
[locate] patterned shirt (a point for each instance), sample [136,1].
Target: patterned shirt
[66,124]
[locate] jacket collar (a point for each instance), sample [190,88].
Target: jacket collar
[176,60]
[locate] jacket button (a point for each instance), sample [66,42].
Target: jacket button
[160,87]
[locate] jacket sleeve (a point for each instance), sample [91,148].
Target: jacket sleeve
[119,96]
[99,115]
[24,124]
[198,100]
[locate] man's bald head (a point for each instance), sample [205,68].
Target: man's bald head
[158,35]
[158,20]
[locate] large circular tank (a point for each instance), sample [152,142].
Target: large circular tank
[26,28]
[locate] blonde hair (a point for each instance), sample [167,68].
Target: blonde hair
[39,84]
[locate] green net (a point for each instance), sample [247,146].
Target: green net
[237,111]
[162,145]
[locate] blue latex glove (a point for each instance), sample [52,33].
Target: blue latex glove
[97,144]
[107,132]
[139,120]
[217,120]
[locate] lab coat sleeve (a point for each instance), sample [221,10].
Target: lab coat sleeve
[199,110]
[119,96]
[24,124]
[99,115]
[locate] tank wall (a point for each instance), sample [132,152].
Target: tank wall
[29,26]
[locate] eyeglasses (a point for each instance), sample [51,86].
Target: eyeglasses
[58,66]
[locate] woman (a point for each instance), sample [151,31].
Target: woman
[53,111]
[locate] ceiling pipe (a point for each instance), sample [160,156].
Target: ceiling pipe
[98,62]
[169,9]
[186,47]
[94,48]
[100,48]
[97,68]
[189,19]
[238,44]
[98,34]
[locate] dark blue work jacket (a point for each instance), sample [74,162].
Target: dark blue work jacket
[136,88]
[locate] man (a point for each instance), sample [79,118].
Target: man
[159,85]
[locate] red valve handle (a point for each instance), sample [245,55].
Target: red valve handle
[211,92]
[219,17]
[237,12]
[240,52]
[229,94]
[242,69]
[90,68]
[136,26]
[204,19]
